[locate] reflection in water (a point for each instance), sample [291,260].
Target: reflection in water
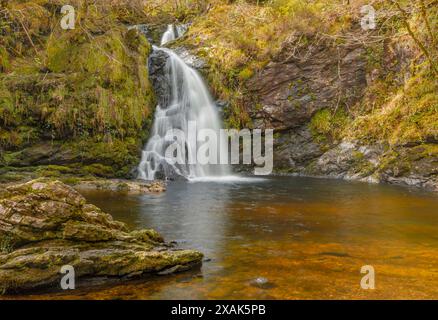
[307,237]
[190,213]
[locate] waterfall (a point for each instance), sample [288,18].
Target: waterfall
[185,98]
[173,32]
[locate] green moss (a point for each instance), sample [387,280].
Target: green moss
[48,173]
[320,122]
[11,177]
[427,150]
[92,156]
[246,74]
[122,187]
[55,171]
[326,125]
[365,168]
[99,170]
[147,235]
[358,156]
[109,159]
[113,84]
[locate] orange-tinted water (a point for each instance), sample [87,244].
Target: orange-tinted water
[308,238]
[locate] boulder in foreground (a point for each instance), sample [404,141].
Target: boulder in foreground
[45,225]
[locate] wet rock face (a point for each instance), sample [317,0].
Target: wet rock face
[45,225]
[190,59]
[349,160]
[292,88]
[295,149]
[129,186]
[416,167]
[152,33]
[157,75]
[297,83]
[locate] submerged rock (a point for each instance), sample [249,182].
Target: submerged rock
[262,283]
[45,225]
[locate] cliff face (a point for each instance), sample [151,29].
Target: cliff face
[296,86]
[343,102]
[313,99]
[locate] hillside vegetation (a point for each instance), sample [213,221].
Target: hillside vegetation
[240,38]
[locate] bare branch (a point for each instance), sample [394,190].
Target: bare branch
[415,38]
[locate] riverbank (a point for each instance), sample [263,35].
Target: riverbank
[340,169]
[86,182]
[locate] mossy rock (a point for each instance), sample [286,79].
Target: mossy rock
[46,224]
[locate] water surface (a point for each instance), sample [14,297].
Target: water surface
[301,237]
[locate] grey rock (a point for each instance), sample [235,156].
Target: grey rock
[291,89]
[157,64]
[190,59]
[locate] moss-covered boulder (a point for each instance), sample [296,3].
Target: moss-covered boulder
[45,225]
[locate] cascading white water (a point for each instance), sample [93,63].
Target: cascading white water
[173,32]
[187,99]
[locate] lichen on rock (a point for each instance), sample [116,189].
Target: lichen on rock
[46,224]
